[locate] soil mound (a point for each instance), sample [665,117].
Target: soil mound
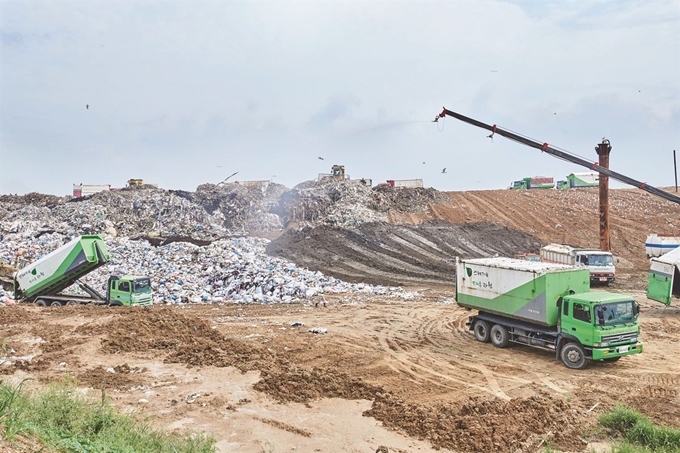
[385,254]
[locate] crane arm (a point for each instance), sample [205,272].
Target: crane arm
[544,147]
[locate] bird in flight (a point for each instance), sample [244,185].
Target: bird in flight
[423,163]
[321,158]
[494,70]
[444,170]
[87,106]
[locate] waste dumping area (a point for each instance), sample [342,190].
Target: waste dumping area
[291,317]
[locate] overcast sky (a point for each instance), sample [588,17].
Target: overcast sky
[183,93]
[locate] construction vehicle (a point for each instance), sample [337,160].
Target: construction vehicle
[664,277]
[337,172]
[403,183]
[599,263]
[577,180]
[658,244]
[546,306]
[43,281]
[535,182]
[564,155]
[135,182]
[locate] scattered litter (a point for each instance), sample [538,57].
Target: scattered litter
[193,397]
[297,324]
[321,330]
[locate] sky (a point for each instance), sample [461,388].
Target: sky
[184,93]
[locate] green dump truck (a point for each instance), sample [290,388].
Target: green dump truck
[547,306]
[43,281]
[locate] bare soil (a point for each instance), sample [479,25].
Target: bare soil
[391,374]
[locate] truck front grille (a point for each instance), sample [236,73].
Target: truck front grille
[619,337]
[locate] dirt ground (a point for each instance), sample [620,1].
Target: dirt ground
[390,374]
[405,375]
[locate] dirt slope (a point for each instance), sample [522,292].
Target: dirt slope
[513,222]
[398,254]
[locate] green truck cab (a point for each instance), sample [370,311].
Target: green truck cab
[129,290]
[547,306]
[599,326]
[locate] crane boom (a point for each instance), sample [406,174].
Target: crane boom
[560,155]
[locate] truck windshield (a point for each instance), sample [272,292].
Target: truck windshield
[600,260]
[616,313]
[142,285]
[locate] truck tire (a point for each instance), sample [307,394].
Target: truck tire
[482,331]
[55,303]
[499,336]
[41,303]
[573,356]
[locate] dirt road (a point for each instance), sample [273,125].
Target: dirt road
[404,374]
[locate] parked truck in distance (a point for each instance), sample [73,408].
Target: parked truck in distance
[664,277]
[43,281]
[583,179]
[535,182]
[546,306]
[599,263]
[403,183]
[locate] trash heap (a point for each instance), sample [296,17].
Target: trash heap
[212,211]
[349,203]
[228,270]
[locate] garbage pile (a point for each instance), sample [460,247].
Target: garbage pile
[228,270]
[349,203]
[213,211]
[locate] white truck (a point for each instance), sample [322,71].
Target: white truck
[600,264]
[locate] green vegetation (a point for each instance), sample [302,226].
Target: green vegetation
[62,419]
[639,431]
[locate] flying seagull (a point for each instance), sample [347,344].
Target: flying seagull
[423,163]
[321,158]
[87,106]
[444,170]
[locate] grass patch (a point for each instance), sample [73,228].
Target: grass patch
[62,419]
[640,434]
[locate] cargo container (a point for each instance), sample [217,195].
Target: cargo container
[601,264]
[535,182]
[404,183]
[577,180]
[546,306]
[43,281]
[83,190]
[664,277]
[658,244]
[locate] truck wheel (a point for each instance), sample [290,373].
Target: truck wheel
[573,356]
[55,303]
[40,303]
[481,329]
[499,336]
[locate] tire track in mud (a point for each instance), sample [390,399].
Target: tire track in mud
[412,357]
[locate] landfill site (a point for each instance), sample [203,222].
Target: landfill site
[324,317]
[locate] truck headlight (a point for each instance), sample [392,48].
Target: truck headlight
[634,340]
[601,345]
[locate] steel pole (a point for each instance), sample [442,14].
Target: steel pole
[675,167]
[603,150]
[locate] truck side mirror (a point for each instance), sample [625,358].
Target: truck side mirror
[636,309]
[600,316]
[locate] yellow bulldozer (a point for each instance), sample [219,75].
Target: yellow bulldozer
[135,182]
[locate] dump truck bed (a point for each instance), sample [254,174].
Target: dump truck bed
[59,269]
[518,289]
